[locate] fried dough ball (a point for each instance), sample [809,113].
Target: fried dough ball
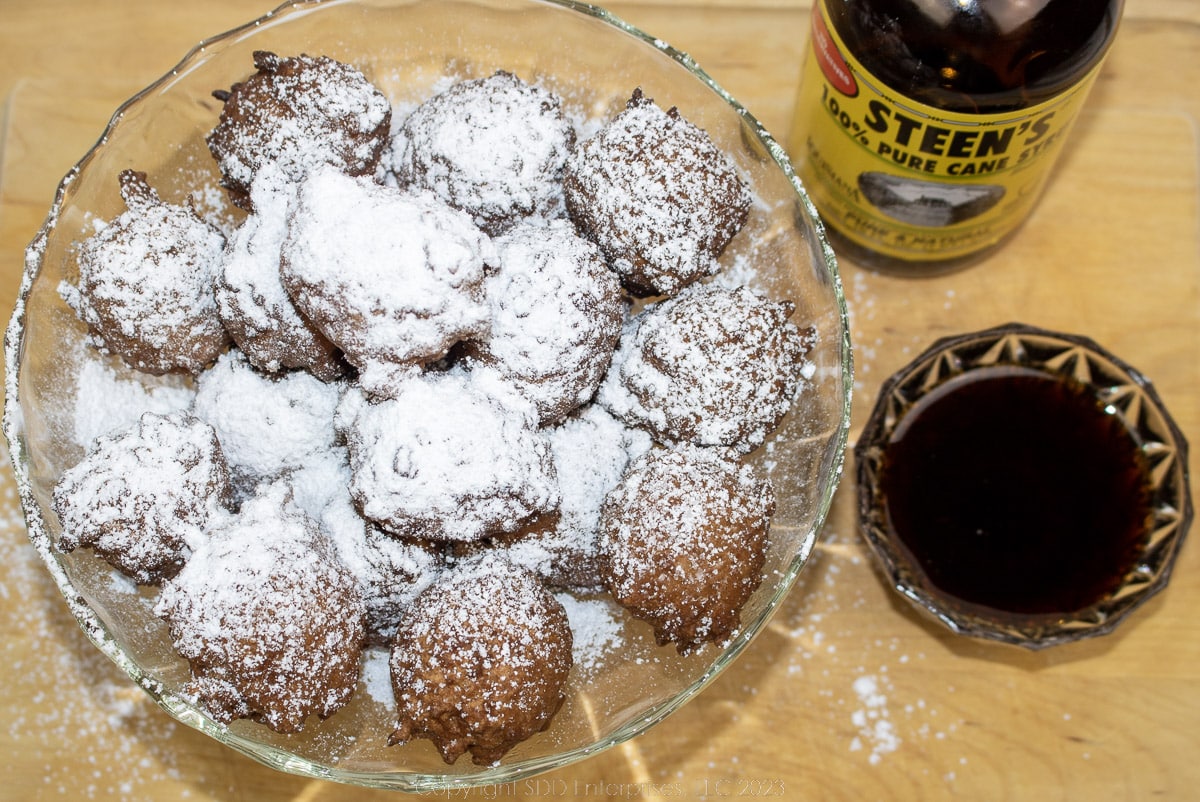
[394,279]
[712,366]
[591,451]
[451,457]
[142,497]
[683,542]
[145,284]
[480,661]
[267,616]
[658,197]
[493,147]
[251,300]
[296,113]
[556,312]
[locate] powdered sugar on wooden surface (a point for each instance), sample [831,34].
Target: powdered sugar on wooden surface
[62,690]
[125,746]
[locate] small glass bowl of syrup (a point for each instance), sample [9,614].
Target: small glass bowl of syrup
[1023,486]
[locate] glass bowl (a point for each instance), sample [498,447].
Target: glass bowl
[979,581]
[593,61]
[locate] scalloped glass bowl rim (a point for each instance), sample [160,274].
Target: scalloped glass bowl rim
[181,709]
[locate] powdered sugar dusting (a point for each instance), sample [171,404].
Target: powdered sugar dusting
[591,450]
[883,696]
[251,300]
[481,660]
[445,458]
[60,689]
[875,728]
[711,366]
[271,625]
[267,608]
[298,113]
[377,675]
[250,267]
[556,312]
[596,627]
[494,147]
[657,195]
[394,279]
[265,425]
[683,540]
[110,398]
[145,283]
[143,497]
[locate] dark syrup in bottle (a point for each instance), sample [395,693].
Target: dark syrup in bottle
[977,56]
[1015,491]
[925,130]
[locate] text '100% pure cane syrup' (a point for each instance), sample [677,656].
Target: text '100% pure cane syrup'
[925,129]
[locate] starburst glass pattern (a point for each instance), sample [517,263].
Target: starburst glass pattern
[1120,391]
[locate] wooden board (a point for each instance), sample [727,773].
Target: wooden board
[848,695]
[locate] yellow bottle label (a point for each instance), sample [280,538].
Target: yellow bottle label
[912,181]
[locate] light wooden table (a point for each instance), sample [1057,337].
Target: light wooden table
[848,695]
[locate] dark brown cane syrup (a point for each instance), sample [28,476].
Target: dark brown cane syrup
[1016,491]
[978,56]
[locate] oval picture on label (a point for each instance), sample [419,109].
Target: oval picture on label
[927,203]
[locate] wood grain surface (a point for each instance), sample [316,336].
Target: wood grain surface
[848,695]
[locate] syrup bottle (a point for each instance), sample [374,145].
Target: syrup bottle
[925,129]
